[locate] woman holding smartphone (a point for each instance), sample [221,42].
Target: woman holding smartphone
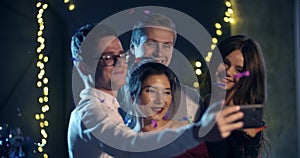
[243,77]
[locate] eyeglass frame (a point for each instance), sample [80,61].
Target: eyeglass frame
[115,58]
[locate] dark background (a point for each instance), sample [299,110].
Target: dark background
[272,24]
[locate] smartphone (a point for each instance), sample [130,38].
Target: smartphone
[253,115]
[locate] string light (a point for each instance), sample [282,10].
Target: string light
[71,5]
[43,81]
[229,12]
[228,18]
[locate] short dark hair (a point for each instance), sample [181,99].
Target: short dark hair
[79,37]
[84,40]
[151,20]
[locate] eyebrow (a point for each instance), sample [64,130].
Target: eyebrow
[153,40]
[120,52]
[148,86]
[238,66]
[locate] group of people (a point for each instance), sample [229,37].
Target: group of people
[138,108]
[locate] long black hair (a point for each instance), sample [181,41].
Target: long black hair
[142,72]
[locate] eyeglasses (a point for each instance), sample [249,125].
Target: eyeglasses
[110,59]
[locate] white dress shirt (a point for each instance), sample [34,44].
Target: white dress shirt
[97,130]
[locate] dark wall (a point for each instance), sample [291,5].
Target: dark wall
[19,93]
[272,24]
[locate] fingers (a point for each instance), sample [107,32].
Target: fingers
[228,120]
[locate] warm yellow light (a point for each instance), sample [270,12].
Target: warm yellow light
[42,45]
[40,33]
[43,132]
[209,54]
[214,40]
[46,59]
[42,23]
[226,19]
[71,7]
[41,100]
[42,27]
[41,56]
[40,20]
[66,1]
[198,64]
[44,141]
[46,93]
[230,11]
[45,108]
[45,80]
[42,71]
[40,39]
[40,76]
[38,64]
[207,59]
[228,4]
[38,4]
[39,16]
[46,123]
[231,20]
[45,6]
[41,124]
[227,14]
[39,84]
[198,71]
[45,156]
[46,89]
[42,116]
[42,66]
[41,11]
[213,46]
[37,116]
[40,149]
[46,99]
[38,50]
[218,25]
[196,84]
[219,32]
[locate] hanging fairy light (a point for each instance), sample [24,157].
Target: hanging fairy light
[228,18]
[71,5]
[42,80]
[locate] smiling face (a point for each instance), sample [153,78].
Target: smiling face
[155,98]
[233,65]
[110,77]
[157,43]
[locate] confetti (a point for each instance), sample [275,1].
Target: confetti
[128,122]
[240,75]
[166,116]
[132,11]
[184,118]
[102,100]
[147,11]
[154,123]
